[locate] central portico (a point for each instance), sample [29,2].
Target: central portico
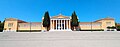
[60,23]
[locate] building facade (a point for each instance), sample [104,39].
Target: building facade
[60,23]
[57,23]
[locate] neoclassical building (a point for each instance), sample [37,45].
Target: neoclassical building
[60,23]
[57,23]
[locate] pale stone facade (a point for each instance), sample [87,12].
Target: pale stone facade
[57,23]
[60,23]
[101,24]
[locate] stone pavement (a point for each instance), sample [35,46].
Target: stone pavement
[60,39]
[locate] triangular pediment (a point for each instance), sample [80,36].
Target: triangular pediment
[59,16]
[10,19]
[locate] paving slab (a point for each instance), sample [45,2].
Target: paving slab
[60,39]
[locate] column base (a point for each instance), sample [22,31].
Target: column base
[61,30]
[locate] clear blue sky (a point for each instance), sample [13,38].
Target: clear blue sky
[33,10]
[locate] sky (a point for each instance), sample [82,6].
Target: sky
[33,10]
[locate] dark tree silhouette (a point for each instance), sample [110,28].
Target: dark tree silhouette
[1,26]
[74,20]
[46,20]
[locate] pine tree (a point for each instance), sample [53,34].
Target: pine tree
[46,20]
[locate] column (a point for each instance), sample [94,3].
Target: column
[56,24]
[53,25]
[69,24]
[64,24]
[61,25]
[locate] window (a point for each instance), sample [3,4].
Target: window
[85,24]
[35,25]
[24,25]
[96,24]
[10,24]
[108,23]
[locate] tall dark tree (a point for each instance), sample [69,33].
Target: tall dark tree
[74,20]
[1,26]
[46,20]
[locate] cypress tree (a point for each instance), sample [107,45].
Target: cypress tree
[1,26]
[46,20]
[74,20]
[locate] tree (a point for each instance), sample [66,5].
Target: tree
[1,26]
[117,26]
[74,20]
[108,27]
[46,20]
[113,27]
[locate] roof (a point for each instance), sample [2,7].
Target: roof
[60,16]
[10,19]
[118,24]
[20,21]
[108,18]
[14,19]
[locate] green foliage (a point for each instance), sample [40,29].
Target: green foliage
[1,27]
[108,27]
[46,20]
[74,20]
[111,27]
[115,24]
[118,27]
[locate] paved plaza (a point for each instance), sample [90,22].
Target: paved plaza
[60,39]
